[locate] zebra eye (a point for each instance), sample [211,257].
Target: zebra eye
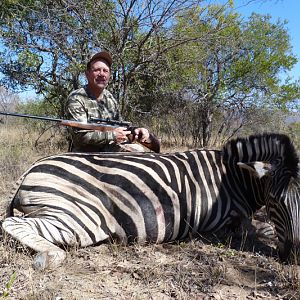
[276,163]
[272,173]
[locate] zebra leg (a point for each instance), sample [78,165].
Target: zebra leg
[255,228]
[264,230]
[41,235]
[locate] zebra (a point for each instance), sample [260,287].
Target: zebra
[82,199]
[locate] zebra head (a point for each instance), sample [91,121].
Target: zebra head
[284,210]
[273,159]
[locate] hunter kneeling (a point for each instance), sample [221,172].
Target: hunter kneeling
[94,101]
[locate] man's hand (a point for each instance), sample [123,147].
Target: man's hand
[147,139]
[141,135]
[121,134]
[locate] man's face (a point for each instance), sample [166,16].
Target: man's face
[98,75]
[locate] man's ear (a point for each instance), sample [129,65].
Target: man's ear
[256,168]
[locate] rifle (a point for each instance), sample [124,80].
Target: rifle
[92,124]
[103,125]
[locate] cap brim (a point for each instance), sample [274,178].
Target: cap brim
[102,55]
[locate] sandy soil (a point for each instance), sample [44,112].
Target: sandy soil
[195,269]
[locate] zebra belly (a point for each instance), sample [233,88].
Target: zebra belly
[100,218]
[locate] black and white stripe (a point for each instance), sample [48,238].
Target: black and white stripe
[82,199]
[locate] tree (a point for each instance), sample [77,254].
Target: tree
[8,100]
[46,43]
[236,69]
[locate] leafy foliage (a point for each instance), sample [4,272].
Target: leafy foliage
[236,69]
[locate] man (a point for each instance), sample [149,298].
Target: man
[95,101]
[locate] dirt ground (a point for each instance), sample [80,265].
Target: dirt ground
[194,269]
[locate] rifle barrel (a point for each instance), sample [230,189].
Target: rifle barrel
[31,116]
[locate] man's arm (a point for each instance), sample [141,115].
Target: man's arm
[75,110]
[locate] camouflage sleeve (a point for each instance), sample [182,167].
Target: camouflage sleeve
[76,110]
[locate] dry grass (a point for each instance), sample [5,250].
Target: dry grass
[18,152]
[191,270]
[206,268]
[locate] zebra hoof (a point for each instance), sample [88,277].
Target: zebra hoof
[48,260]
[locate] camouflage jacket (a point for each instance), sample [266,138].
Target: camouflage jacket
[81,106]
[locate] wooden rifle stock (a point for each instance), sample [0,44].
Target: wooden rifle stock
[88,126]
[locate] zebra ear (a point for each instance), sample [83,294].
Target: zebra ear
[257,168]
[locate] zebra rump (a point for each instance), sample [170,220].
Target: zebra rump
[84,198]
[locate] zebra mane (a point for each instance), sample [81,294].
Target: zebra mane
[266,147]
